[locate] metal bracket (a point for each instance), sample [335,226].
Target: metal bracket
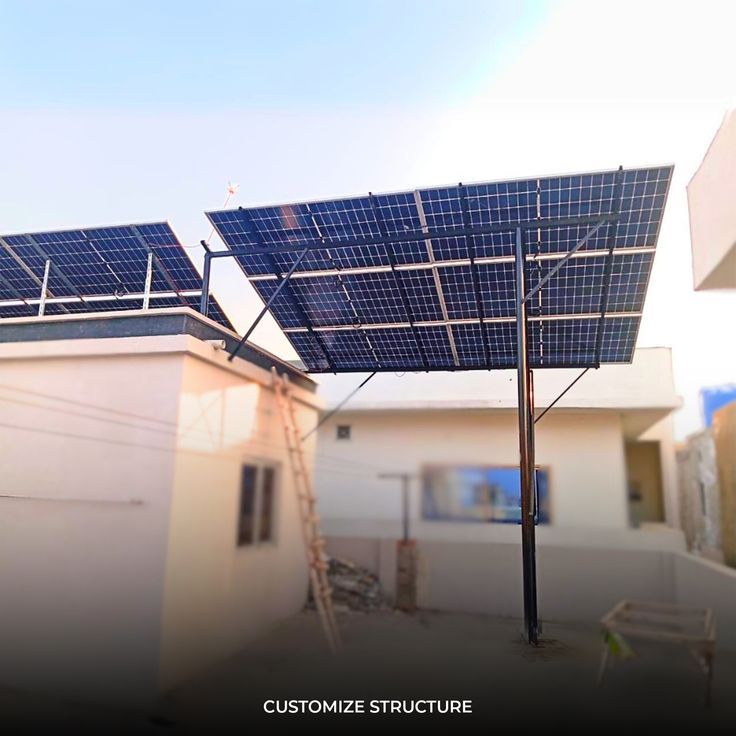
[149,277]
[44,288]
[563,261]
[160,266]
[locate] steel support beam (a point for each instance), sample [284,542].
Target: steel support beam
[149,279]
[405,479]
[288,292]
[268,304]
[526,452]
[44,288]
[561,394]
[452,232]
[334,411]
[204,300]
[159,266]
[563,261]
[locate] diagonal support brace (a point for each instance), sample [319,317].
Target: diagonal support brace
[268,304]
[564,260]
[561,395]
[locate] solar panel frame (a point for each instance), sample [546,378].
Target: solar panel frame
[442,259]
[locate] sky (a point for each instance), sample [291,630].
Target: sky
[115,112]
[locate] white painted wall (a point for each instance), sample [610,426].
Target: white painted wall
[575,584]
[217,595]
[710,196]
[584,452]
[664,433]
[647,384]
[81,568]
[120,462]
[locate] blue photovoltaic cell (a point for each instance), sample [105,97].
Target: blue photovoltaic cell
[428,265]
[102,261]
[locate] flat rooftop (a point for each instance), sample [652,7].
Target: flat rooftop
[142,323]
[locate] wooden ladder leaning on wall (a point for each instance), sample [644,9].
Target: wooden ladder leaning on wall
[307,502]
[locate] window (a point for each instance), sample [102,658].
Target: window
[480,494]
[257,505]
[343,431]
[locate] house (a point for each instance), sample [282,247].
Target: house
[148,523]
[605,453]
[606,482]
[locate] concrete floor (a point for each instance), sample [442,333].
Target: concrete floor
[432,655]
[428,655]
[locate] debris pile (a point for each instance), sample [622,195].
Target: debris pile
[353,587]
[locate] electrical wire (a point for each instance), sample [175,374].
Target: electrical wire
[175,427]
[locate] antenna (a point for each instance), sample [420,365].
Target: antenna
[232,190]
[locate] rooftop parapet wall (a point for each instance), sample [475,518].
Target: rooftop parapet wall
[647,383]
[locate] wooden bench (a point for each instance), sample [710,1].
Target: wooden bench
[664,622]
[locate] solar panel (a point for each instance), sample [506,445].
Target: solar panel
[425,280]
[98,269]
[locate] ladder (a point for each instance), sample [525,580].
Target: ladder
[313,540]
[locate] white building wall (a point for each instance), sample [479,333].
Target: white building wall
[584,452]
[119,499]
[710,196]
[81,567]
[663,432]
[218,595]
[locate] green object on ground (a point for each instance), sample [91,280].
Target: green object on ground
[618,646]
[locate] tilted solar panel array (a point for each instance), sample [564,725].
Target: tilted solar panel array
[98,269]
[425,280]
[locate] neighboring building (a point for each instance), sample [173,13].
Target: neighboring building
[707,476]
[724,434]
[715,397]
[711,194]
[605,456]
[148,523]
[700,499]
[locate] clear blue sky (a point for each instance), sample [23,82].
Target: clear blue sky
[115,112]
[224,54]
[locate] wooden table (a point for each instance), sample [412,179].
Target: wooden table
[664,622]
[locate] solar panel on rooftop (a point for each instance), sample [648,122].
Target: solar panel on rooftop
[110,262]
[425,280]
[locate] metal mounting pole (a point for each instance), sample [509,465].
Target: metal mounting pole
[149,278]
[405,479]
[526,452]
[44,288]
[204,298]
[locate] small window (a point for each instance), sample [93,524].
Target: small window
[257,505]
[343,431]
[265,532]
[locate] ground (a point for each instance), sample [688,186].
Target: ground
[427,655]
